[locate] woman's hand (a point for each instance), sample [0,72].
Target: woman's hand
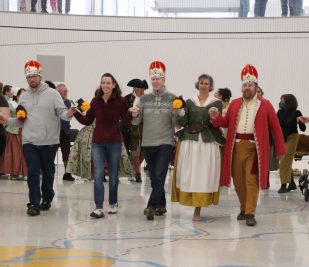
[134,111]
[303,119]
[71,112]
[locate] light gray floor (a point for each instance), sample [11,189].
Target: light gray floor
[281,237]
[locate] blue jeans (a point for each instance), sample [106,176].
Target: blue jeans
[260,8]
[111,153]
[244,8]
[295,7]
[40,158]
[157,159]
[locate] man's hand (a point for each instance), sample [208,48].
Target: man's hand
[134,111]
[71,112]
[174,111]
[213,113]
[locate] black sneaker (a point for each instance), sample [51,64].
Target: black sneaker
[250,220]
[45,205]
[292,186]
[241,216]
[160,211]
[68,177]
[282,189]
[138,178]
[149,213]
[33,210]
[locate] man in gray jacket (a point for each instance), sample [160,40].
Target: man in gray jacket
[44,108]
[155,109]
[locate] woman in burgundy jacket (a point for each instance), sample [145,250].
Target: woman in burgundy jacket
[107,108]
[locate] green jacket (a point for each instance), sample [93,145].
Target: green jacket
[195,114]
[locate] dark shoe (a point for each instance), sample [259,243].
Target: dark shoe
[160,211]
[68,177]
[250,220]
[33,211]
[44,11]
[292,186]
[282,189]
[149,213]
[138,178]
[97,214]
[45,205]
[33,10]
[241,216]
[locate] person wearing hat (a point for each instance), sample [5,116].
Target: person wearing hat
[155,110]
[44,108]
[133,134]
[248,120]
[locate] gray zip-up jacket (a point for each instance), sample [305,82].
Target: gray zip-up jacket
[44,109]
[158,123]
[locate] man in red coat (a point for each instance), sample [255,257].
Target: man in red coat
[248,120]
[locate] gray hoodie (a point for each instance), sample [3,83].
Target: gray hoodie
[44,109]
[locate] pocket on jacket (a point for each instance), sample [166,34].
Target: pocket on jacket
[36,131]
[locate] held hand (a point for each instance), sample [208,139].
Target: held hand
[134,111]
[280,157]
[174,111]
[213,113]
[71,112]
[303,119]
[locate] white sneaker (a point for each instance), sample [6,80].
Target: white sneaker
[113,209]
[97,213]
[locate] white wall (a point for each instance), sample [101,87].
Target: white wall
[189,47]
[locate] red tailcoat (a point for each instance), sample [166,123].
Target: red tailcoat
[265,119]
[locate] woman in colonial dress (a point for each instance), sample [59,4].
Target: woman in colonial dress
[197,168]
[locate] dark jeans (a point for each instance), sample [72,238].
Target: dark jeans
[260,8]
[40,158]
[67,6]
[111,153]
[65,145]
[43,4]
[157,159]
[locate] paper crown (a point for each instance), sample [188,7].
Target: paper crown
[157,69]
[249,74]
[33,67]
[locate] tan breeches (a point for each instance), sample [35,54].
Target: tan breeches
[285,165]
[246,184]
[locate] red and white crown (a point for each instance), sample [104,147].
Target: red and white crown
[157,69]
[249,74]
[33,67]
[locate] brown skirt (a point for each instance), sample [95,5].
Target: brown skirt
[12,160]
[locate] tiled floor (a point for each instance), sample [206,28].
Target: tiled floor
[67,236]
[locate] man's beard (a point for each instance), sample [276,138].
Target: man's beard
[248,96]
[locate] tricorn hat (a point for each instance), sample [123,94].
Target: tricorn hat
[137,83]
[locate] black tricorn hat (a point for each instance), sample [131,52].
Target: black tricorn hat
[137,83]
